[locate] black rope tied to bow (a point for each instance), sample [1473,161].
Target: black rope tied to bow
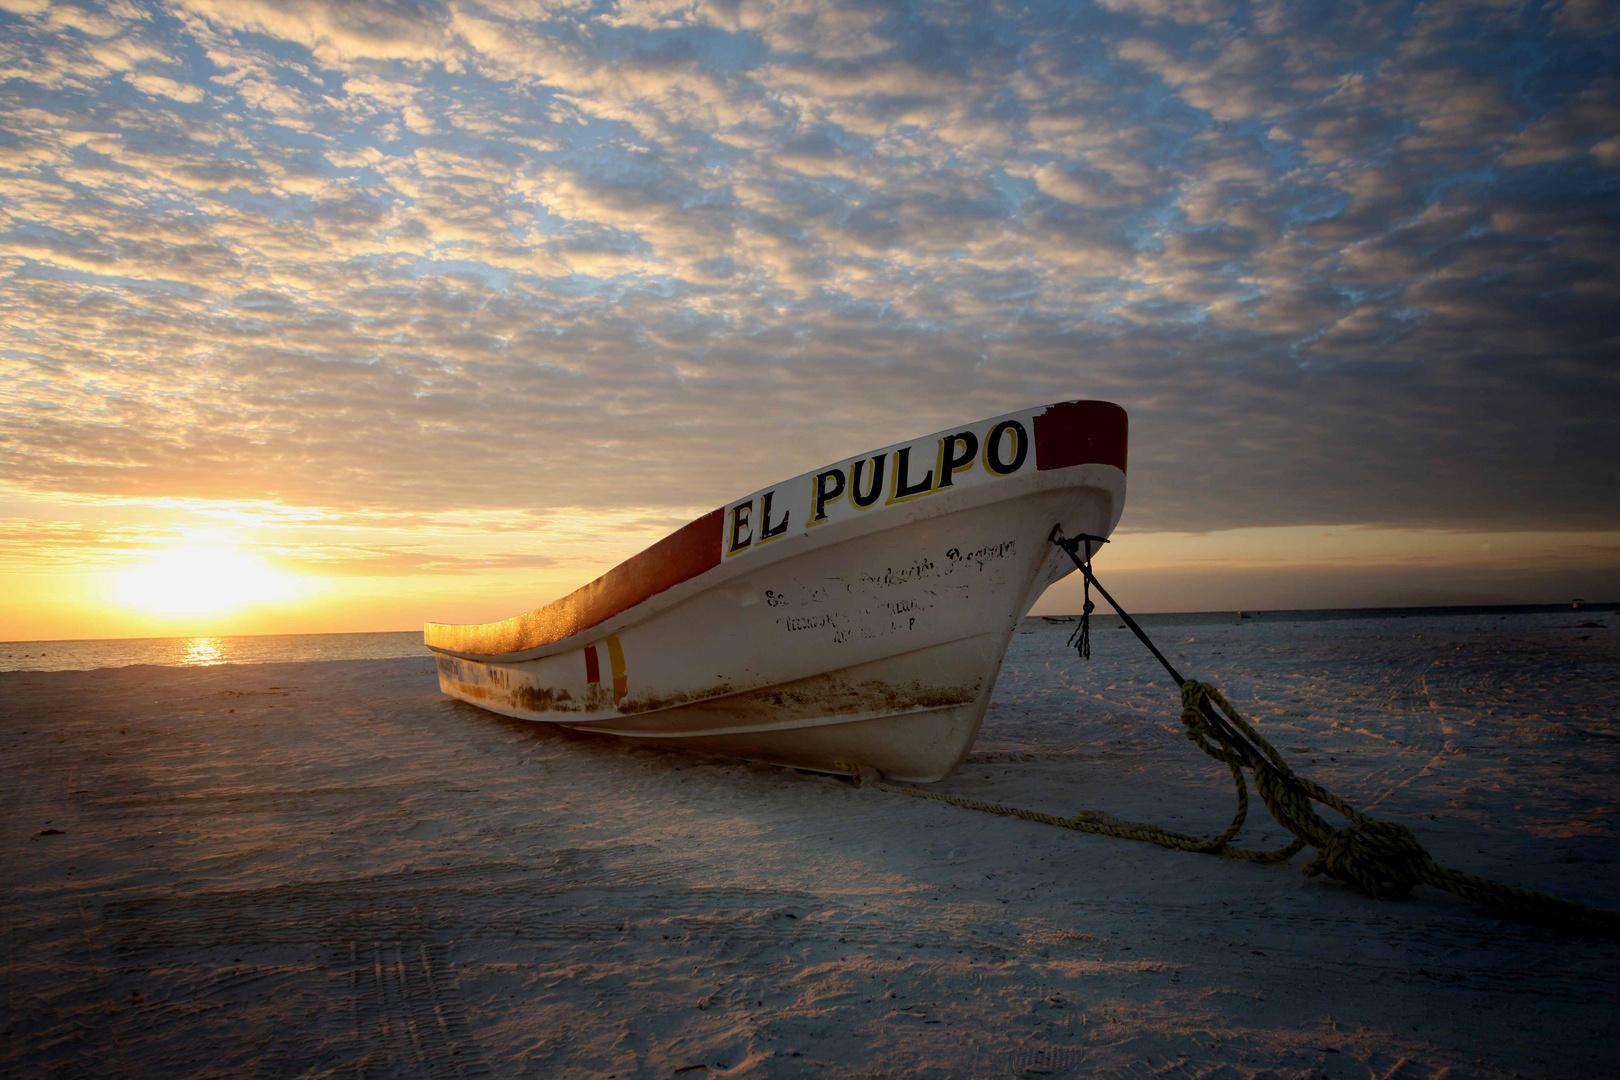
[1080,640]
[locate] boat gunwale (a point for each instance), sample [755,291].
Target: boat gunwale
[723,571]
[727,573]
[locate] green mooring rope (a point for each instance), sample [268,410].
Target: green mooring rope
[1380,858]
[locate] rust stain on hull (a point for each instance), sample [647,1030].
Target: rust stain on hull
[916,724]
[503,689]
[834,696]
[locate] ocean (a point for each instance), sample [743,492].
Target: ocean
[279,648]
[204,651]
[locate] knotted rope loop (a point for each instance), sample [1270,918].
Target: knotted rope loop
[1380,858]
[1200,731]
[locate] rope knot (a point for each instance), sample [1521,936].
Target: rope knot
[1381,858]
[1198,726]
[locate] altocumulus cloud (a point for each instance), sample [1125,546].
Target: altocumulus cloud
[1348,262]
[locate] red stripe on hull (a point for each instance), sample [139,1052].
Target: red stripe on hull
[1080,433]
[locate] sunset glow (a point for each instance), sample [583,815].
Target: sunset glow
[203,581]
[436,311]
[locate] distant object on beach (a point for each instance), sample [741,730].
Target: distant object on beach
[1248,615]
[854,616]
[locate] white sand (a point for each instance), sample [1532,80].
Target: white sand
[350,875]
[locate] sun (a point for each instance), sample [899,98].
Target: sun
[203,580]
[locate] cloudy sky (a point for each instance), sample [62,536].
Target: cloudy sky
[438,310]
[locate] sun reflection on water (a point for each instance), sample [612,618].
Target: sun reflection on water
[202,650]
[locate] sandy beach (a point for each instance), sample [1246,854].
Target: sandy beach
[328,869]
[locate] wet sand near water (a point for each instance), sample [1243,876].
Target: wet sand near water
[327,869]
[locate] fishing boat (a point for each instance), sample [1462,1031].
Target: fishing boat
[853,617]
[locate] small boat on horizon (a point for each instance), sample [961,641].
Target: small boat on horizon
[855,616]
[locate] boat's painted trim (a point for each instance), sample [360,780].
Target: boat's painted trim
[1080,433]
[1065,435]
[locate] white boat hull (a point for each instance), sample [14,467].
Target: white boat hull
[863,637]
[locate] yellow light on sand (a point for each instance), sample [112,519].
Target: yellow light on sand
[202,580]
